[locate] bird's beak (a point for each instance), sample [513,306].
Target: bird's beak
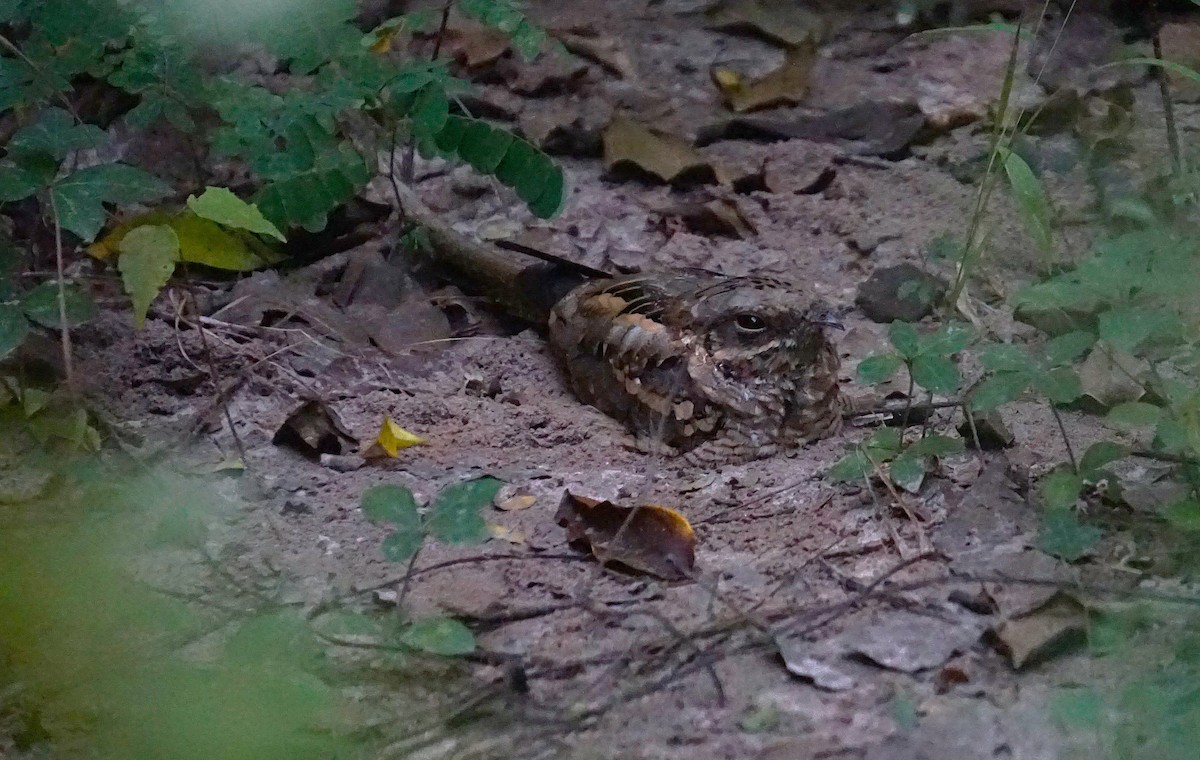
[827,317]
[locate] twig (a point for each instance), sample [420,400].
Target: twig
[1062,429]
[1164,88]
[408,576]
[64,327]
[409,167]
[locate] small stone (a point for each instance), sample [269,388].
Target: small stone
[295,506]
[903,292]
[993,433]
[342,462]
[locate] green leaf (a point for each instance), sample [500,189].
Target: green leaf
[454,516]
[396,506]
[444,636]
[1031,200]
[1064,537]
[907,471]
[905,339]
[223,207]
[1133,414]
[935,445]
[54,133]
[147,261]
[484,147]
[306,197]
[41,305]
[402,543]
[1060,386]
[1067,348]
[851,468]
[1078,708]
[1184,515]
[1128,328]
[1005,357]
[949,339]
[1060,489]
[17,182]
[1100,454]
[883,444]
[878,368]
[999,389]
[430,110]
[80,197]
[937,374]
[13,329]
[390,504]
[1171,436]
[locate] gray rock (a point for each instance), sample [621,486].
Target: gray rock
[902,292]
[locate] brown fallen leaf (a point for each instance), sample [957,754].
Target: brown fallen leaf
[1181,44]
[1037,633]
[586,43]
[788,24]
[476,46]
[630,146]
[1109,376]
[314,429]
[719,216]
[504,533]
[572,130]
[517,502]
[650,539]
[786,85]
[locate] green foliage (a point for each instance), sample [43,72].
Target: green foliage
[927,357]
[453,517]
[1013,370]
[148,256]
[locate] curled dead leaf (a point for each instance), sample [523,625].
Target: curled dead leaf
[313,429]
[602,50]
[649,538]
[390,440]
[720,216]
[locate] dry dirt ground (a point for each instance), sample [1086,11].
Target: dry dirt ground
[624,666]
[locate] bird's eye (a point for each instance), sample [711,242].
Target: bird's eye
[750,323]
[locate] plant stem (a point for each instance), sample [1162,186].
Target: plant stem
[408,576]
[409,167]
[1062,429]
[64,327]
[1160,73]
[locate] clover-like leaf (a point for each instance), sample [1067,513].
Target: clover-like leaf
[41,305]
[905,339]
[1100,454]
[999,389]
[1005,357]
[444,636]
[907,471]
[1064,537]
[948,339]
[396,506]
[851,468]
[454,516]
[1184,515]
[1061,385]
[1134,414]
[878,368]
[1069,347]
[935,445]
[1060,488]
[934,373]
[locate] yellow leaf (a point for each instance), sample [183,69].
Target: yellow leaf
[201,241]
[392,437]
[504,533]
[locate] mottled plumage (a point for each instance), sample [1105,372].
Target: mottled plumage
[720,369]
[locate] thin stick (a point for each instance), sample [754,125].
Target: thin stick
[1160,73]
[64,328]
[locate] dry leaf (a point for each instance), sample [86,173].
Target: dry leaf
[1108,376]
[477,46]
[504,533]
[1181,44]
[201,241]
[786,23]
[650,538]
[786,85]
[517,502]
[629,145]
[314,429]
[390,440]
[602,50]
[1036,633]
